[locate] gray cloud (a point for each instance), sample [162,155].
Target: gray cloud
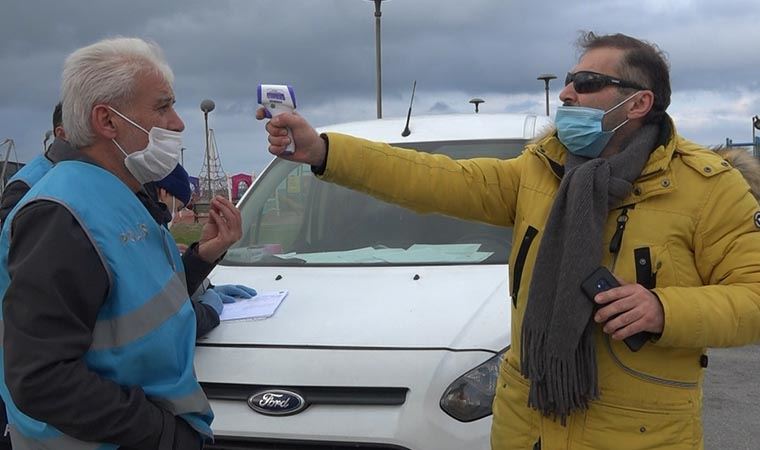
[493,49]
[440,107]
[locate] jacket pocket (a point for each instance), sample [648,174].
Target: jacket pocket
[668,269]
[515,425]
[519,264]
[639,429]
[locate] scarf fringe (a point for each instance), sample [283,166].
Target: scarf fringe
[559,387]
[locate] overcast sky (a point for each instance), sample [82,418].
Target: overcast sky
[456,50]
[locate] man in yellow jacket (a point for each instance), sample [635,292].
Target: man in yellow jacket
[613,186]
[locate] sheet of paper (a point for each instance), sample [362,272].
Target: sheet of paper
[417,253]
[262,306]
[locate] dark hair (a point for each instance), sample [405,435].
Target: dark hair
[643,63]
[58,116]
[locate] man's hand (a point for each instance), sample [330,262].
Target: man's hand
[214,300]
[230,293]
[639,309]
[224,228]
[310,148]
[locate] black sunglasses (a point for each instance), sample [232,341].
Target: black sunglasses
[585,82]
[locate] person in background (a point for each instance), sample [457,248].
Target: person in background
[99,335]
[16,188]
[616,186]
[171,194]
[207,304]
[25,178]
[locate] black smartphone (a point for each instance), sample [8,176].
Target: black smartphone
[602,280]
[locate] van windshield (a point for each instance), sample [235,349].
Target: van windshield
[292,218]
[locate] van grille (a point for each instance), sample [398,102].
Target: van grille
[314,395]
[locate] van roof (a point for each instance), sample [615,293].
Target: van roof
[447,127]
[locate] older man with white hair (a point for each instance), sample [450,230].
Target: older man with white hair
[98,329]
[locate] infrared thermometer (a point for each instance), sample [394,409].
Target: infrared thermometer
[277,99]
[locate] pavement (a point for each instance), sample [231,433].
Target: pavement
[731,413]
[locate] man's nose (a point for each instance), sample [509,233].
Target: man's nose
[568,96]
[176,123]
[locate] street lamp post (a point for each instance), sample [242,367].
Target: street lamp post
[477,101]
[207,106]
[378,63]
[547,77]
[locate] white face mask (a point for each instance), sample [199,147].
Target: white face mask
[174,212]
[158,158]
[176,209]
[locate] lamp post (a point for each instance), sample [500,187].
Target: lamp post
[477,102]
[379,76]
[547,77]
[207,106]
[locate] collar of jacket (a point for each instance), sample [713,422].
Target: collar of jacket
[61,150]
[656,178]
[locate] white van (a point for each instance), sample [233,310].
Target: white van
[395,322]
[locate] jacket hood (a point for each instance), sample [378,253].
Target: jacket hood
[545,134]
[742,160]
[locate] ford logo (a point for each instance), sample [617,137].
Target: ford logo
[276,402]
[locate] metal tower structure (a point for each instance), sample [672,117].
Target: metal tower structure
[7,172]
[212,180]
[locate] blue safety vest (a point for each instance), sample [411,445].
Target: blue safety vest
[145,331]
[33,171]
[29,175]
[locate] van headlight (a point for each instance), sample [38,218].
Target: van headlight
[470,396]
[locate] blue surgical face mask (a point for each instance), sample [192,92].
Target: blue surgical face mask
[580,129]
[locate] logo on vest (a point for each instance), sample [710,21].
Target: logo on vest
[138,234]
[276,402]
[757,219]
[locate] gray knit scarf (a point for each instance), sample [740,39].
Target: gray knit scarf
[558,354]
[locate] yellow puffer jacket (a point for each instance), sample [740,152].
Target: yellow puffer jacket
[690,232]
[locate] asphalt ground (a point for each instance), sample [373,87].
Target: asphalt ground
[731,412]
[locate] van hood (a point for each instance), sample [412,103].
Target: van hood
[441,307]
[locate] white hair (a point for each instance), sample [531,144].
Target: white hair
[105,72]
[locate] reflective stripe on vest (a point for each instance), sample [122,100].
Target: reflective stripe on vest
[124,329]
[194,401]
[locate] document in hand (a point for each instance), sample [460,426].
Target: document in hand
[261,306]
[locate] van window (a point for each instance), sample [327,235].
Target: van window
[292,218]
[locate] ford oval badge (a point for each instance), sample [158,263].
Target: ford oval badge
[276,402]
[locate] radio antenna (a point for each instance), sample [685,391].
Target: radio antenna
[407,131]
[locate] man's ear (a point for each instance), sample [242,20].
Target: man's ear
[59,132]
[163,196]
[641,105]
[102,122]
